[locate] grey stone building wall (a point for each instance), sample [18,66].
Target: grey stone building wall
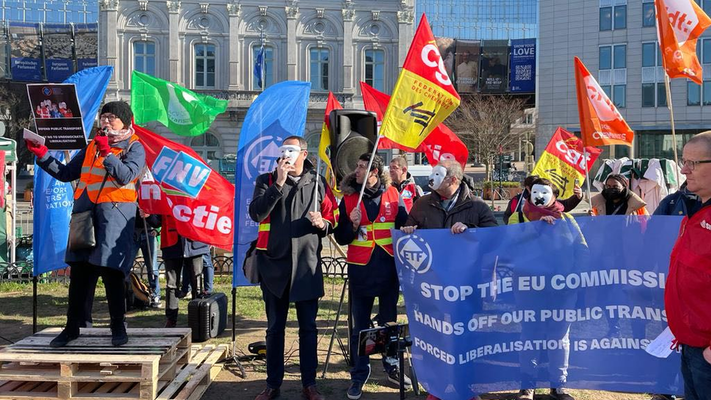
[570,28]
[292,27]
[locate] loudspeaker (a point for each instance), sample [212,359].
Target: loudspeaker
[353,132]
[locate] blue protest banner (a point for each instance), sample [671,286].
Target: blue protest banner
[54,199]
[523,66]
[279,112]
[537,305]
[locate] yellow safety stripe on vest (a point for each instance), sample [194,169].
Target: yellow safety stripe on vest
[383,225]
[264,227]
[362,243]
[97,186]
[384,241]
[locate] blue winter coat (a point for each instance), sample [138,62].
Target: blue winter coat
[681,202]
[114,223]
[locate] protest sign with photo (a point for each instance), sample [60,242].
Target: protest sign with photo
[57,115]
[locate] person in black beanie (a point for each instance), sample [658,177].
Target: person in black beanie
[107,171]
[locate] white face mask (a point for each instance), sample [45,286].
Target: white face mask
[290,152]
[541,195]
[437,177]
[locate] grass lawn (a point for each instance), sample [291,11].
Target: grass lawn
[16,323]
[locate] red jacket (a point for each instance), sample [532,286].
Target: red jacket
[687,296]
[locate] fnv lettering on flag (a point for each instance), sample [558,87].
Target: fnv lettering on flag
[424,94]
[181,184]
[185,175]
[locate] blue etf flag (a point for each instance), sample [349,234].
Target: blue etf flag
[54,199]
[279,112]
[259,66]
[534,305]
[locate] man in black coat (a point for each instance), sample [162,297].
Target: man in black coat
[450,205]
[288,258]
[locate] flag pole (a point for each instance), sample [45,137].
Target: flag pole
[673,129]
[318,178]
[367,171]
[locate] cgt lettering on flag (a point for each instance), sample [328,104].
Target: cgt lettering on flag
[185,174]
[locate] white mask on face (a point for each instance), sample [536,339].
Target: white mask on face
[437,177]
[541,195]
[290,152]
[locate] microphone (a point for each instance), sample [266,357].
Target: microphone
[103,131]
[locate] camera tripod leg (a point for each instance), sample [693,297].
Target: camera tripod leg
[334,334]
[413,375]
[401,359]
[233,359]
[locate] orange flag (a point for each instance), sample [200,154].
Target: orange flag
[679,25]
[600,122]
[423,95]
[327,141]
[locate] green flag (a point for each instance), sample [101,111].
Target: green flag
[183,111]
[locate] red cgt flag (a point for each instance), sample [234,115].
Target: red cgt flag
[600,122]
[441,144]
[200,199]
[679,25]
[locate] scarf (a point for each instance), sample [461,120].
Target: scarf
[120,135]
[369,192]
[534,213]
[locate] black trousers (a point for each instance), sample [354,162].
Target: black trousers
[277,311]
[83,278]
[173,272]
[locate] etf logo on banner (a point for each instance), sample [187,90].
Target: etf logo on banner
[186,174]
[263,153]
[415,253]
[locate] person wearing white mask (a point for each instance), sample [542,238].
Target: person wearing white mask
[288,258]
[450,205]
[543,205]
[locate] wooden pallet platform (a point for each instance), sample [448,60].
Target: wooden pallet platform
[155,363]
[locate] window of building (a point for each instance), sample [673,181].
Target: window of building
[375,69]
[605,18]
[614,59]
[144,57]
[613,17]
[654,92]
[208,147]
[701,95]
[268,67]
[319,58]
[648,14]
[204,65]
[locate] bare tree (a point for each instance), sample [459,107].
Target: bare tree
[484,123]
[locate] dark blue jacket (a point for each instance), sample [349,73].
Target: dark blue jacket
[681,202]
[114,223]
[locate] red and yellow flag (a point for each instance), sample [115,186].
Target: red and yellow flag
[679,25]
[600,122]
[424,94]
[564,161]
[326,141]
[442,144]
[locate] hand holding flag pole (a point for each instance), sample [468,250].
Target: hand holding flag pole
[367,171]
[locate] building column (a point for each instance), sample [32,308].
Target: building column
[108,43]
[234,10]
[348,81]
[292,13]
[405,20]
[174,42]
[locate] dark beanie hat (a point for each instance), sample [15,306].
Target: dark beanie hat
[120,109]
[619,178]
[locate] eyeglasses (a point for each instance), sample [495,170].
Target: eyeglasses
[691,164]
[108,117]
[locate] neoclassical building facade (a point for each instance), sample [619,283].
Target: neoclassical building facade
[212,47]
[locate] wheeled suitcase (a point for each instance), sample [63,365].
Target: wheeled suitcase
[207,315]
